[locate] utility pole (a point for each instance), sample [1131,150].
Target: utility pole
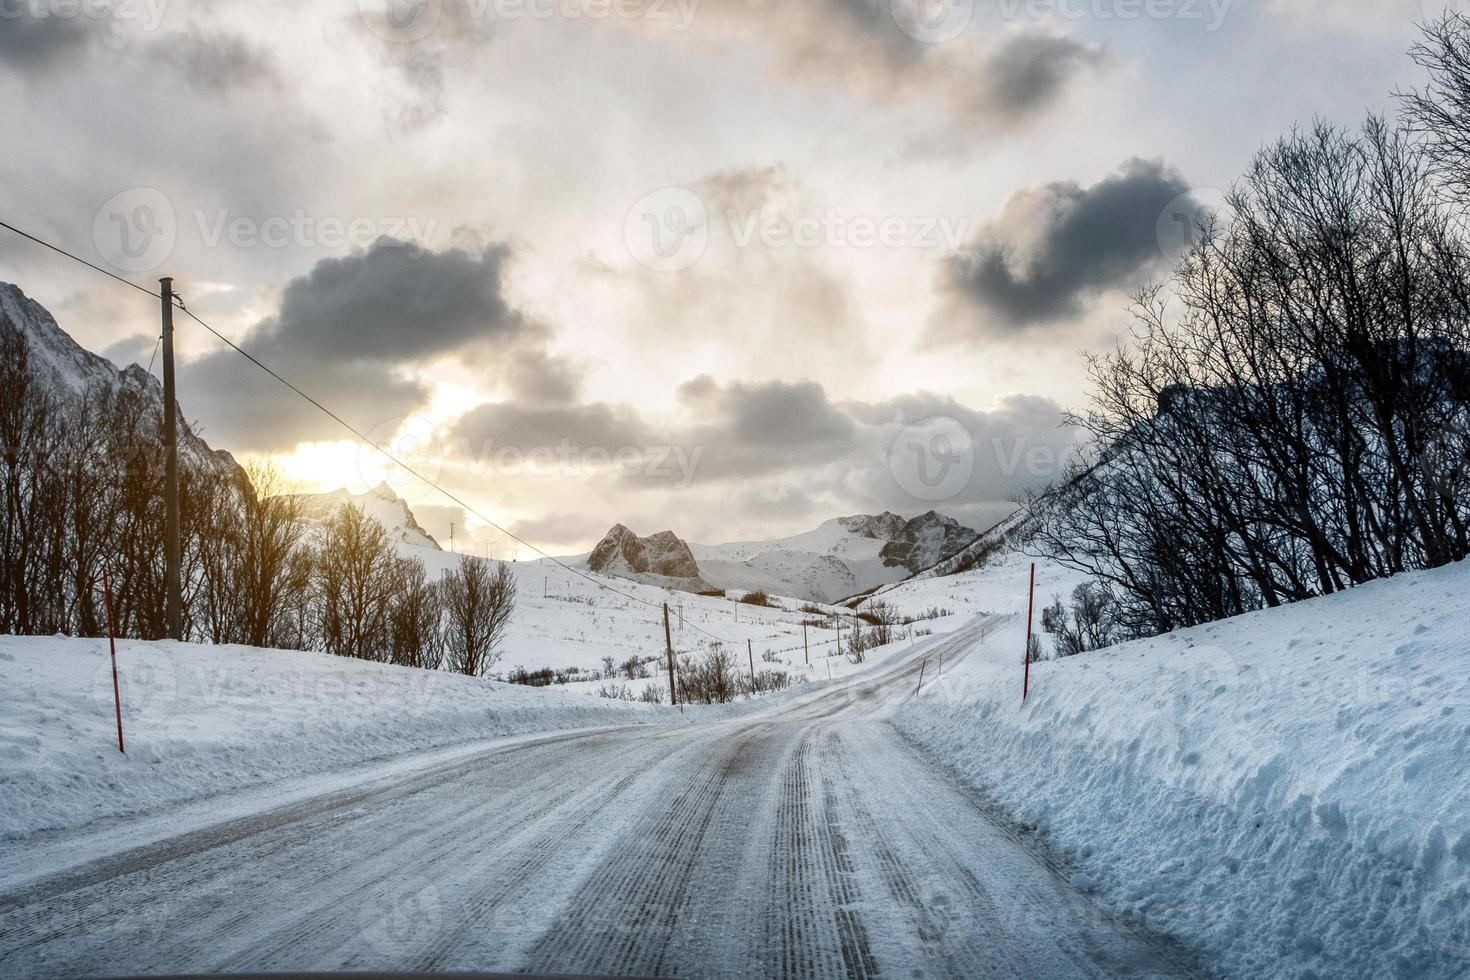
[1030,608]
[669,646]
[750,652]
[172,579]
[451,537]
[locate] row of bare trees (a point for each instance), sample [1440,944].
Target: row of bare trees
[81,495]
[1292,416]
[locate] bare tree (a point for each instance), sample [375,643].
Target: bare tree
[414,617]
[479,597]
[355,575]
[270,535]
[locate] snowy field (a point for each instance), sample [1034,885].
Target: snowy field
[1289,789]
[202,720]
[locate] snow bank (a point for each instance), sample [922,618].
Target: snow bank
[1287,790]
[202,720]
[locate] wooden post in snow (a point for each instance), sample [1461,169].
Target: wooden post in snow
[669,646]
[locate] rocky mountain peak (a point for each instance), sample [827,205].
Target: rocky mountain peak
[663,556]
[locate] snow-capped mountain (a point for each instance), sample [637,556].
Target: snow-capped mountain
[659,559]
[381,504]
[842,557]
[70,370]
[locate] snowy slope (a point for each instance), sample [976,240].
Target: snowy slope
[842,557]
[68,369]
[200,720]
[1289,789]
[380,503]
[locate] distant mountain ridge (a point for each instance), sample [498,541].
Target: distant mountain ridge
[379,503]
[842,557]
[70,370]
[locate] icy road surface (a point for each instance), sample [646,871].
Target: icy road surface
[807,841]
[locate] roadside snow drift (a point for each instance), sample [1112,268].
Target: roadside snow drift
[200,720]
[1288,791]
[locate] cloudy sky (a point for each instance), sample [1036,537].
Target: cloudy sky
[730,267]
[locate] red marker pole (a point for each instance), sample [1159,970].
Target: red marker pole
[1030,608]
[112,647]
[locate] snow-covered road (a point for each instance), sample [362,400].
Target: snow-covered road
[809,840]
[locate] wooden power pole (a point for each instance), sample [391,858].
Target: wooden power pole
[669,646]
[172,581]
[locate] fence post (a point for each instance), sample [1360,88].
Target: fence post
[750,652]
[112,648]
[1030,608]
[807,650]
[924,663]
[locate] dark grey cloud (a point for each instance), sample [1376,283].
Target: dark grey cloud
[526,427]
[876,49]
[1028,72]
[29,43]
[540,378]
[131,350]
[216,61]
[350,332]
[749,429]
[1057,245]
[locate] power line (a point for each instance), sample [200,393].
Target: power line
[77,258]
[350,428]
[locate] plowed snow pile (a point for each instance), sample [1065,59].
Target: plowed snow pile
[200,720]
[1288,791]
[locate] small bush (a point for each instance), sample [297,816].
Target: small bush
[757,598]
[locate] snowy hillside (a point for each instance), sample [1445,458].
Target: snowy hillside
[202,720]
[1289,789]
[380,503]
[61,364]
[842,557]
